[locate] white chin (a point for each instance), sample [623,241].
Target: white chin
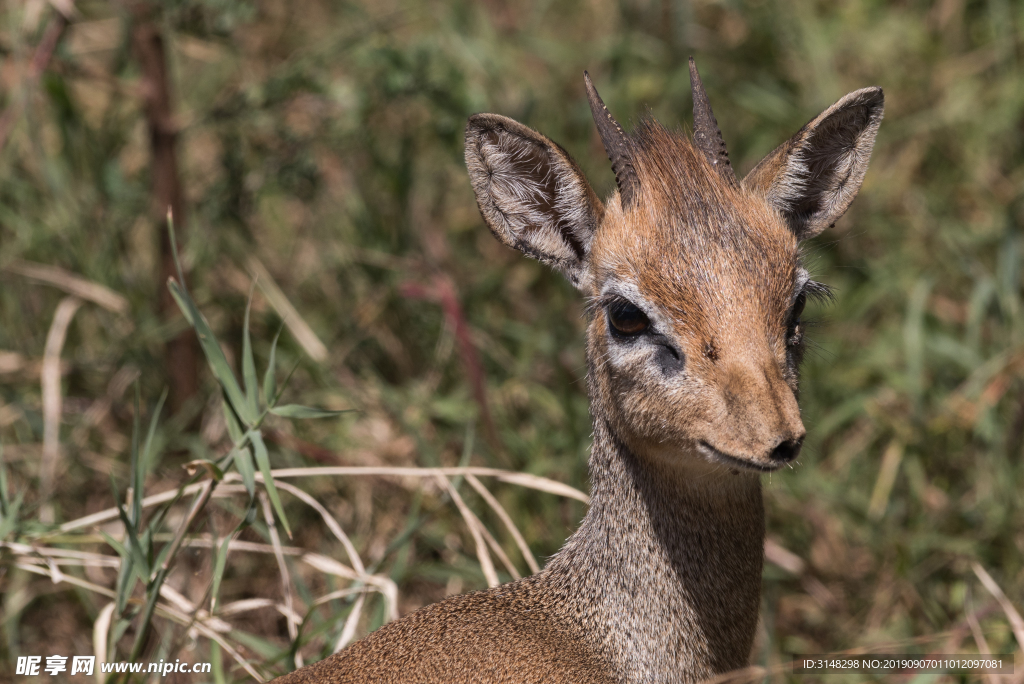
[713,455]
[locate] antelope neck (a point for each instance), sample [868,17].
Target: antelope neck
[663,577]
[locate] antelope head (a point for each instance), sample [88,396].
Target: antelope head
[693,278]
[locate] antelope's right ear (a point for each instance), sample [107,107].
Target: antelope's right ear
[531,194]
[812,178]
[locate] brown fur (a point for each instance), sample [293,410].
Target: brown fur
[720,265]
[485,636]
[661,582]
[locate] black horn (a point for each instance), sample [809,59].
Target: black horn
[616,144]
[705,130]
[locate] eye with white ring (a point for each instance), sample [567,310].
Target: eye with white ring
[626,319]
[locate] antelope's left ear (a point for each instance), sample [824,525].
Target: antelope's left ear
[812,178]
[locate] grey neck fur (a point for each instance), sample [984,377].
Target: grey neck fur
[664,574]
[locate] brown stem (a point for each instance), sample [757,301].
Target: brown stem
[181,353]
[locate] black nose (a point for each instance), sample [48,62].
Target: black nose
[786,451]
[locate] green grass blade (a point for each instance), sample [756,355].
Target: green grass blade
[136,476]
[126,577]
[146,619]
[218,663]
[263,648]
[178,296]
[214,354]
[263,461]
[297,411]
[123,552]
[9,522]
[269,378]
[5,507]
[147,449]
[234,427]
[174,248]
[252,392]
[134,545]
[8,510]
[287,379]
[243,461]
[219,563]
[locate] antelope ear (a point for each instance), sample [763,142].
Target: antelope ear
[812,178]
[531,194]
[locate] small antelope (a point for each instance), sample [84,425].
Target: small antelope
[694,339]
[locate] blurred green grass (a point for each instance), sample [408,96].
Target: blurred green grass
[326,143]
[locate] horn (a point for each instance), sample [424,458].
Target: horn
[705,130]
[616,145]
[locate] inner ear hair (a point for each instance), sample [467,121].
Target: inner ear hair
[812,178]
[531,193]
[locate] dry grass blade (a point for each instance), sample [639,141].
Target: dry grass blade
[979,636]
[503,515]
[11,362]
[53,401]
[1016,623]
[536,482]
[282,567]
[108,514]
[100,632]
[778,555]
[205,490]
[244,606]
[340,593]
[542,484]
[348,632]
[498,551]
[70,283]
[886,479]
[187,607]
[291,617]
[161,610]
[253,547]
[329,520]
[747,675]
[27,550]
[474,525]
[384,585]
[182,619]
[303,334]
[70,579]
[105,562]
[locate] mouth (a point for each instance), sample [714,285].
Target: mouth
[715,456]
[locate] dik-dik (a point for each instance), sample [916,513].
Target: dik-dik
[694,292]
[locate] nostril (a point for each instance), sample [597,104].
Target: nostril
[786,451]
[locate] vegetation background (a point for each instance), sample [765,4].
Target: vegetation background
[316,148]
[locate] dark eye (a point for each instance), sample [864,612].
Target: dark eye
[626,319]
[795,335]
[798,307]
